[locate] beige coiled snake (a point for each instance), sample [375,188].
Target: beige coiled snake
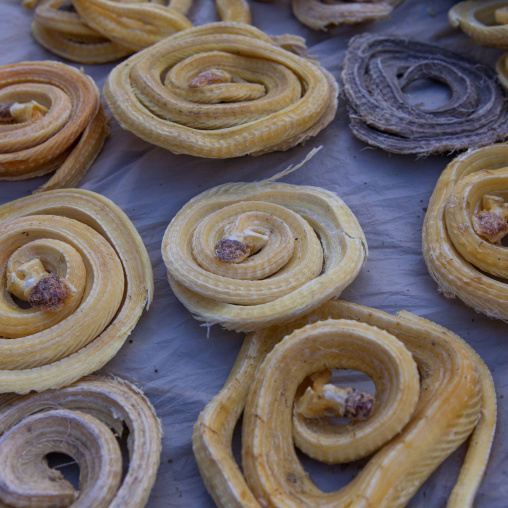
[486,22]
[416,422]
[80,263]
[51,117]
[221,90]
[320,15]
[85,421]
[248,255]
[466,219]
[105,30]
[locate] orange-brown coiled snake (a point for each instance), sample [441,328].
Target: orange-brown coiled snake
[51,118]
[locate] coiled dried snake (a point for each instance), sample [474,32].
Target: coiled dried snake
[320,15]
[82,420]
[466,219]
[221,90]
[250,255]
[51,117]
[377,69]
[455,388]
[106,30]
[77,258]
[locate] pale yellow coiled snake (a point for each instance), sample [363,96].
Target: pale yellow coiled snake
[431,389]
[248,255]
[76,258]
[466,220]
[51,118]
[85,421]
[221,90]
[105,30]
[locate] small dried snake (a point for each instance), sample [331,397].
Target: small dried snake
[80,263]
[415,425]
[251,255]
[320,15]
[466,220]
[51,117]
[85,421]
[377,68]
[221,90]
[106,30]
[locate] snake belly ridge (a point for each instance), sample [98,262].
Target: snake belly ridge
[249,255]
[51,118]
[431,388]
[221,90]
[321,15]
[467,218]
[85,420]
[103,31]
[76,258]
[376,71]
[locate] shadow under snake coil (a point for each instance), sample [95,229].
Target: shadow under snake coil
[378,68]
[249,255]
[81,276]
[432,392]
[221,90]
[87,420]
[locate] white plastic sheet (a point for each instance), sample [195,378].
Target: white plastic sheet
[169,354]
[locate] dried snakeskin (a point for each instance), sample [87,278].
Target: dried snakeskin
[415,425]
[85,421]
[463,228]
[248,255]
[320,15]
[77,258]
[103,31]
[377,69]
[51,118]
[221,90]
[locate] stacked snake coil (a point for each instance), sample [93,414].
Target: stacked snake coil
[377,70]
[85,421]
[51,118]
[320,15]
[221,90]
[252,255]
[75,277]
[431,389]
[103,31]
[467,219]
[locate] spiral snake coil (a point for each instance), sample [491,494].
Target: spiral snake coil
[76,258]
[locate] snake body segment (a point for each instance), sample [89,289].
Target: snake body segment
[221,90]
[416,423]
[376,71]
[88,244]
[306,247]
[52,118]
[83,421]
[465,222]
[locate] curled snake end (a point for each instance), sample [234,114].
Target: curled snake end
[490,225]
[211,77]
[49,293]
[5,114]
[359,405]
[232,251]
